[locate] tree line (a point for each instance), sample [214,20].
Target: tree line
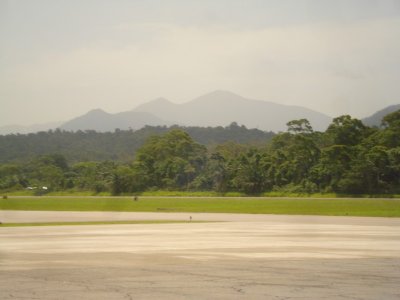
[120,145]
[348,157]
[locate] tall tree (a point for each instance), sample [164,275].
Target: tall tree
[345,130]
[172,160]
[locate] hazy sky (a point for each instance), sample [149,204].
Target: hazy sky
[59,59]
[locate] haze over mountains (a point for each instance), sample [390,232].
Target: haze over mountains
[219,108]
[8,129]
[222,108]
[376,118]
[102,121]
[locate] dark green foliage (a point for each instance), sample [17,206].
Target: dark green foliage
[345,130]
[299,126]
[348,158]
[251,172]
[120,145]
[171,161]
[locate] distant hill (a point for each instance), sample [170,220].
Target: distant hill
[376,118]
[222,107]
[118,145]
[28,129]
[218,108]
[102,121]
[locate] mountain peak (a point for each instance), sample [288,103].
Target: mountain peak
[99,120]
[221,107]
[218,97]
[222,93]
[161,100]
[158,102]
[97,111]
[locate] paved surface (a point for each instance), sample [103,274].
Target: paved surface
[249,257]
[18,216]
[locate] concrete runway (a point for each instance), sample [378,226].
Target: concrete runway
[246,257]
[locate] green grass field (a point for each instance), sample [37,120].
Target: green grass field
[252,205]
[163,193]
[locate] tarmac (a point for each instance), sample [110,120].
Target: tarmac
[241,257]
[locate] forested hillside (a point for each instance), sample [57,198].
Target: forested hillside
[348,157]
[119,145]
[375,119]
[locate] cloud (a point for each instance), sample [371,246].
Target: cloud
[314,66]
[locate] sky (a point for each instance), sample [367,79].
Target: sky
[60,59]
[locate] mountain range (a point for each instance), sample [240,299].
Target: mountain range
[219,108]
[376,118]
[102,121]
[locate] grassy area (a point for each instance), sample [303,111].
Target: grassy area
[94,223]
[149,193]
[252,205]
[196,194]
[55,193]
[190,194]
